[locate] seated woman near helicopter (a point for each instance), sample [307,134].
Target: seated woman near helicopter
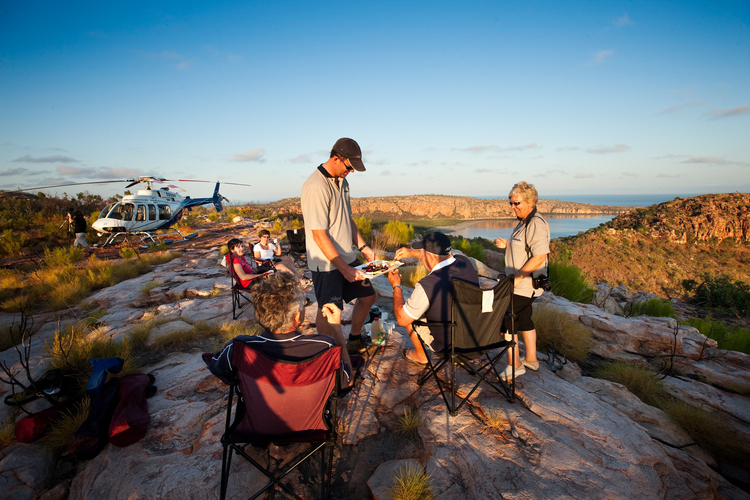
[242,270]
[268,254]
[245,271]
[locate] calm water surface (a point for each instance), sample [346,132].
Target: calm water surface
[559,225]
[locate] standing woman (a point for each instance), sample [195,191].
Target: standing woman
[525,257]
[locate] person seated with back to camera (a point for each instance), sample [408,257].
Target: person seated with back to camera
[279,308]
[242,270]
[267,255]
[431,299]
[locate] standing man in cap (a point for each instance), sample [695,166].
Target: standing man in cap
[332,240]
[431,299]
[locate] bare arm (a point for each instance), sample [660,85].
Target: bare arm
[531,265]
[332,314]
[359,242]
[326,246]
[241,274]
[403,319]
[405,253]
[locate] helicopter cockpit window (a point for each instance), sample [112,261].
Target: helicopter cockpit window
[106,210]
[141,213]
[122,211]
[165,213]
[151,212]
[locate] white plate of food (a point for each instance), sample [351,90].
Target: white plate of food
[378,267]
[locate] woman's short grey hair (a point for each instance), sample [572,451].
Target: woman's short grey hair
[526,191]
[276,300]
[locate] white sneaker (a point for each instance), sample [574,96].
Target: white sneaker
[528,364]
[508,373]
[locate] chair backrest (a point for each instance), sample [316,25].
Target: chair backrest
[478,314]
[284,398]
[296,239]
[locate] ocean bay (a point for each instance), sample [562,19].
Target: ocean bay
[560,225]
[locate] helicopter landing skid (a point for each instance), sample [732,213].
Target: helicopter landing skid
[148,238]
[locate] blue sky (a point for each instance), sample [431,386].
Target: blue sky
[461,98]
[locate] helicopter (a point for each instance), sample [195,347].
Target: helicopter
[148,210]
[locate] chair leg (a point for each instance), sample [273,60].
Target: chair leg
[226,462]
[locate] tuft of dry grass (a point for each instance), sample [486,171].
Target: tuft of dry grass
[409,422]
[556,329]
[639,380]
[495,418]
[410,275]
[61,430]
[411,482]
[7,433]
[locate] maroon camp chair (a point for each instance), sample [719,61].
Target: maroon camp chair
[238,291]
[281,402]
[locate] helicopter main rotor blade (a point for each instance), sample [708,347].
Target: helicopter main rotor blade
[72,184]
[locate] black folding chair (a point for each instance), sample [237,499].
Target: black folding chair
[238,291]
[477,343]
[297,248]
[281,402]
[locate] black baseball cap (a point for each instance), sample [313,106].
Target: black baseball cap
[349,149]
[435,242]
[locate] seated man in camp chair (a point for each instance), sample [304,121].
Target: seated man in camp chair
[279,307]
[431,299]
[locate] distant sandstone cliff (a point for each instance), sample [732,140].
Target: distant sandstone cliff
[432,206]
[700,218]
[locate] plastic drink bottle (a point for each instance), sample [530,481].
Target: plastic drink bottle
[377,332]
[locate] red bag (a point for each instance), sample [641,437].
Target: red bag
[130,420]
[31,427]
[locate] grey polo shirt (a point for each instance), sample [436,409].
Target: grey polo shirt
[537,236]
[327,206]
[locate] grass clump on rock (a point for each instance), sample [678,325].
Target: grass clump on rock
[7,436]
[409,422]
[657,308]
[568,282]
[556,330]
[411,482]
[639,380]
[730,337]
[61,430]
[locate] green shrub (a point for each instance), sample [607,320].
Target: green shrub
[730,337]
[62,256]
[365,227]
[720,293]
[556,330]
[568,282]
[7,433]
[410,275]
[397,233]
[127,253]
[409,422]
[471,248]
[658,308]
[10,245]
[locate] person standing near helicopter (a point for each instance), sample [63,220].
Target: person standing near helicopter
[77,225]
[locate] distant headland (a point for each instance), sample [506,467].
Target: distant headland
[434,206]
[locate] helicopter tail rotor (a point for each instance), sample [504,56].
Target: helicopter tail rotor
[216,199]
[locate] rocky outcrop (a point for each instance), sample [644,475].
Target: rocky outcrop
[442,207]
[567,435]
[700,218]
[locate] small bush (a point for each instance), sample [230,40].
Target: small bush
[409,422]
[555,329]
[471,248]
[720,293]
[411,482]
[298,224]
[657,308]
[639,380]
[365,227]
[410,275]
[395,234]
[730,337]
[10,245]
[62,256]
[568,282]
[73,347]
[127,253]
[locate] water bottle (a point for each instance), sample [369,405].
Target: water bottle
[377,332]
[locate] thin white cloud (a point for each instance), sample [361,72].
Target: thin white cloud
[45,159]
[301,159]
[618,148]
[726,113]
[65,170]
[386,172]
[484,171]
[630,174]
[600,57]
[22,171]
[710,160]
[681,105]
[250,155]
[584,176]
[117,172]
[671,157]
[497,149]
[669,176]
[567,148]
[622,21]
